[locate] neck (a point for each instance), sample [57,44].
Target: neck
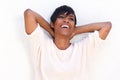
[62,42]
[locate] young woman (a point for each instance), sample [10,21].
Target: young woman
[55,58]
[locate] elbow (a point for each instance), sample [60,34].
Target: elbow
[27,12]
[105,30]
[109,26]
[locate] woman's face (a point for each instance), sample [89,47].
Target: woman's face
[64,24]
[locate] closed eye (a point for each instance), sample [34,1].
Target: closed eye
[71,19]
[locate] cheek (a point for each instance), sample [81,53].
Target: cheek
[56,22]
[73,25]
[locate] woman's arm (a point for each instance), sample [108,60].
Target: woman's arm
[102,27]
[32,19]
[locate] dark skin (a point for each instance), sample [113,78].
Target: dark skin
[64,27]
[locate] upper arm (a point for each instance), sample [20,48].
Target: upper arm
[30,21]
[103,32]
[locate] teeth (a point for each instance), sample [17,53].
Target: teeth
[65,26]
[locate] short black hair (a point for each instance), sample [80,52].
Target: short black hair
[61,10]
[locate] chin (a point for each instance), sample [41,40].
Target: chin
[66,34]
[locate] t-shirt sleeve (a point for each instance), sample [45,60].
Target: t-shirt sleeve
[36,41]
[93,42]
[36,38]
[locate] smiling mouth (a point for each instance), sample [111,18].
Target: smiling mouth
[65,26]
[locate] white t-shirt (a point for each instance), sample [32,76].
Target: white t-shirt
[51,63]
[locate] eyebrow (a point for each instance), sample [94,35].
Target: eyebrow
[71,15]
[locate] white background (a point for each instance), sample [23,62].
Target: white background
[15,62]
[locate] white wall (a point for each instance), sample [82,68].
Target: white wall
[14,54]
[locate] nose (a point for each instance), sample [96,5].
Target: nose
[66,20]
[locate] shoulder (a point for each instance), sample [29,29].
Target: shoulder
[94,36]
[90,39]
[39,34]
